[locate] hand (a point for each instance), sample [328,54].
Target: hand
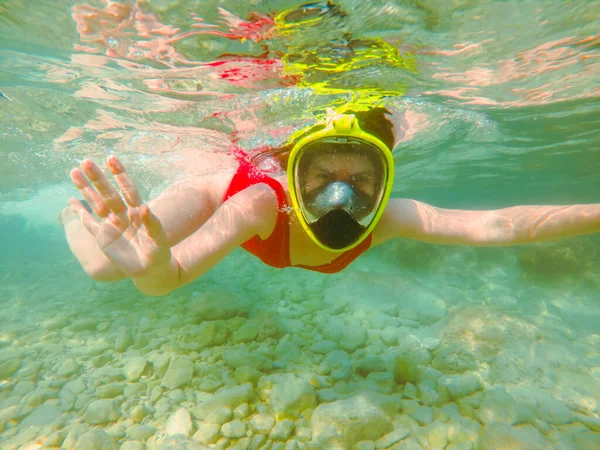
[126,231]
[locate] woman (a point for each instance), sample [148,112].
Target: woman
[338,182]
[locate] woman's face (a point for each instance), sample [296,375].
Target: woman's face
[353,169]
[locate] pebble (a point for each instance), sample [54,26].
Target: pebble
[101,411]
[235,429]
[323,347]
[123,339]
[230,397]
[42,416]
[343,423]
[461,385]
[290,395]
[496,435]
[134,368]
[364,445]
[431,344]
[391,438]
[242,411]
[262,423]
[219,416]
[67,368]
[498,406]
[179,374]
[141,432]
[207,433]
[55,323]
[337,364]
[95,439]
[436,434]
[454,358]
[179,423]
[423,415]
[246,333]
[132,445]
[138,413]
[282,430]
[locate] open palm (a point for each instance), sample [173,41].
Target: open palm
[126,231]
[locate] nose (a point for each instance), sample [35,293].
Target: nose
[336,195]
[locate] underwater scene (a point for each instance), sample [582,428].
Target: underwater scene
[428,340]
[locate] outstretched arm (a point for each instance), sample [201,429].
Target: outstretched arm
[126,238]
[499,227]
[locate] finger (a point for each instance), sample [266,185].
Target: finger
[89,193]
[128,188]
[87,220]
[153,226]
[107,191]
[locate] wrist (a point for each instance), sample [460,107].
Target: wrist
[161,280]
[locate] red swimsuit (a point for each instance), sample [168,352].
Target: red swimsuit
[275,250]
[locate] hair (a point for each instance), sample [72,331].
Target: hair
[372,121]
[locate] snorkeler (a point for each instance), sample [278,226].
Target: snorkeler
[331,206]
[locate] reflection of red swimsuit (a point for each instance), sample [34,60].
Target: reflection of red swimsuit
[275,250]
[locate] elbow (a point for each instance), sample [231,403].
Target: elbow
[103,273]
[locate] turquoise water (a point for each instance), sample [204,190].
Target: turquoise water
[414,345]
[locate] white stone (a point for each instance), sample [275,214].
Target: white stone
[322,347]
[423,415]
[380,320]
[391,438]
[498,406]
[96,440]
[55,323]
[179,423]
[246,333]
[134,368]
[461,385]
[290,395]
[427,394]
[235,429]
[219,416]
[242,411]
[411,348]
[132,445]
[353,337]
[101,411]
[544,405]
[138,413]
[262,423]
[140,432]
[497,435]
[230,397]
[67,368]
[431,343]
[364,445]
[337,363]
[123,339]
[179,374]
[390,336]
[208,433]
[42,416]
[282,430]
[454,358]
[344,423]
[436,434]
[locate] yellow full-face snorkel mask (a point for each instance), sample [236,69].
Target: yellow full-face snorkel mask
[340,179]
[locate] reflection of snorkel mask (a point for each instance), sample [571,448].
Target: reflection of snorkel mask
[340,179]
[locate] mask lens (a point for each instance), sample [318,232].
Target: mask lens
[340,173]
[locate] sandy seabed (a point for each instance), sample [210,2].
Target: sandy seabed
[412,347]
